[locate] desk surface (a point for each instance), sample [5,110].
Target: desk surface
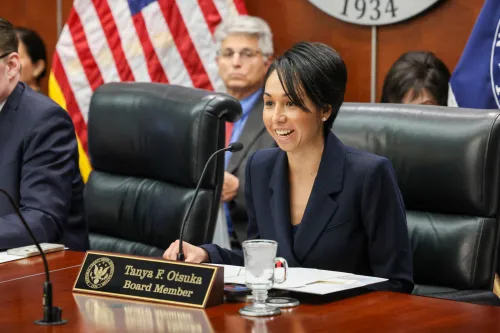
[34,265]
[21,295]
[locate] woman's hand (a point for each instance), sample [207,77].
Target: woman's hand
[191,253]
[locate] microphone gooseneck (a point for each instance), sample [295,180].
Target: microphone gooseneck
[51,315]
[232,147]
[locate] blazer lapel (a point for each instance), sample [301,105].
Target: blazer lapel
[320,206]
[280,208]
[6,117]
[254,126]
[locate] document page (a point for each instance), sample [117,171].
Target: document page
[307,280]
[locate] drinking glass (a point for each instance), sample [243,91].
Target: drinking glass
[260,260]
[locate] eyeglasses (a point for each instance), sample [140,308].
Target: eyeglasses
[245,54]
[4,55]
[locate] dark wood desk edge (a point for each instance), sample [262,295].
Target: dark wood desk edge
[33,266]
[419,314]
[37,274]
[83,254]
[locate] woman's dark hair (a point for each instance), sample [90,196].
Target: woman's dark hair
[416,71]
[314,70]
[34,46]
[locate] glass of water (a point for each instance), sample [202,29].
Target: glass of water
[260,260]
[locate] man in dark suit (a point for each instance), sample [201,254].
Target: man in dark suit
[38,161]
[245,50]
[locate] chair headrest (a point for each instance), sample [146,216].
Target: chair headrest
[154,130]
[446,159]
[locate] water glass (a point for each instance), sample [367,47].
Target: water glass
[260,261]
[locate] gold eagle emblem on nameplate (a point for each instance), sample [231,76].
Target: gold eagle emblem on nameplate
[99,273]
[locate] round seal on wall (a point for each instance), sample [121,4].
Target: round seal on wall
[99,273]
[373,12]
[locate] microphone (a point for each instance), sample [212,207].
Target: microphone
[233,147]
[51,314]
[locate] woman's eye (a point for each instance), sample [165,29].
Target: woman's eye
[268,103]
[290,104]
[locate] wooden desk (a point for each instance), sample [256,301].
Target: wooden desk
[34,266]
[374,312]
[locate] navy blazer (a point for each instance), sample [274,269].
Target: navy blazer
[39,169]
[354,221]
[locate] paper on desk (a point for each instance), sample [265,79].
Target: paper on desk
[337,284]
[308,280]
[297,277]
[4,257]
[231,271]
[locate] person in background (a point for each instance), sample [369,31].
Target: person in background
[33,57]
[38,161]
[417,77]
[245,47]
[329,206]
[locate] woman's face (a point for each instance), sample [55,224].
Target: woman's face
[291,127]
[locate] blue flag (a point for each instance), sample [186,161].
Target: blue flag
[475,83]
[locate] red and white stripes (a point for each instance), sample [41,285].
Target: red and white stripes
[168,41]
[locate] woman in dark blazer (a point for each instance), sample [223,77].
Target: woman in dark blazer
[327,205]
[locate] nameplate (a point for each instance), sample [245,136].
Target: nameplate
[150,279]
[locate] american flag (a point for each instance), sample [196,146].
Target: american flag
[167,41]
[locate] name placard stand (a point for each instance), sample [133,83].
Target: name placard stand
[150,279]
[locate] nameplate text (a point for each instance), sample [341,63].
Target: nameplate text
[144,278]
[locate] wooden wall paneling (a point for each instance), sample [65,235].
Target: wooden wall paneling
[443,30]
[66,8]
[36,15]
[297,20]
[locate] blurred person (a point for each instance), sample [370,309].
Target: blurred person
[33,57]
[417,77]
[329,206]
[38,161]
[245,48]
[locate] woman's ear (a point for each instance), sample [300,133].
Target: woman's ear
[38,68]
[327,112]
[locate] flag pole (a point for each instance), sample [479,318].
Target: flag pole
[59,17]
[373,75]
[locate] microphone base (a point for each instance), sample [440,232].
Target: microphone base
[51,317]
[41,322]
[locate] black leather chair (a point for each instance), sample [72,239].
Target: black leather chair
[447,164]
[148,144]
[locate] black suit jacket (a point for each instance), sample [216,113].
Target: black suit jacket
[253,137]
[354,221]
[39,169]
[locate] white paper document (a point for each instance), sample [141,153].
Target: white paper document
[4,257]
[231,271]
[307,280]
[328,286]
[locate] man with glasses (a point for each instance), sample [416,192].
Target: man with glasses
[245,48]
[38,161]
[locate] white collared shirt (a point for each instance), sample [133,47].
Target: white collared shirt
[2,104]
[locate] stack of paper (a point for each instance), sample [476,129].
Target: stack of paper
[307,280]
[5,257]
